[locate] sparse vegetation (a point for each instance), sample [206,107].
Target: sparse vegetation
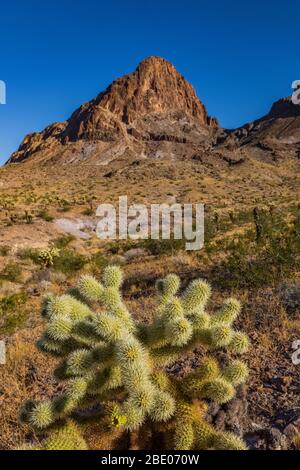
[12,312]
[45,216]
[277,247]
[69,262]
[4,250]
[12,272]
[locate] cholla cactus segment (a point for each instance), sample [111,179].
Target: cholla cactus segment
[173,310]
[108,327]
[161,380]
[239,343]
[228,313]
[60,328]
[65,437]
[236,372]
[196,296]
[54,305]
[68,437]
[184,435]
[118,420]
[77,388]
[79,362]
[113,277]
[163,407]
[179,331]
[208,370]
[221,336]
[217,390]
[111,362]
[228,441]
[168,286]
[200,320]
[134,415]
[111,299]
[204,434]
[41,416]
[90,288]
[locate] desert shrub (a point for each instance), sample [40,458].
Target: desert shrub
[45,216]
[29,253]
[123,246]
[88,211]
[12,312]
[64,205]
[118,367]
[12,302]
[114,248]
[28,217]
[4,250]
[69,262]
[98,262]
[261,261]
[12,272]
[161,247]
[63,241]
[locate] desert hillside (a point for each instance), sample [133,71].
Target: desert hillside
[148,136]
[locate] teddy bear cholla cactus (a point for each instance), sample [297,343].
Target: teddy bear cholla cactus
[47,256]
[113,360]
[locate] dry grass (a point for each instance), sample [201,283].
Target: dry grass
[28,373]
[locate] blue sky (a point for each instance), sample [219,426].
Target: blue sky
[240,56]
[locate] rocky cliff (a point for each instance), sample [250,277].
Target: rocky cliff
[153,104]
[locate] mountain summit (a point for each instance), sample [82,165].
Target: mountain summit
[154,103]
[155,113]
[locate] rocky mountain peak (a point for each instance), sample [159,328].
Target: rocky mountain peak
[155,102]
[154,88]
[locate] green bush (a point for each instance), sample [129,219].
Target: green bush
[253,262]
[29,253]
[63,241]
[4,250]
[98,262]
[12,272]
[45,216]
[162,247]
[69,262]
[12,312]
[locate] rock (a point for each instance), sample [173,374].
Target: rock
[42,275]
[291,431]
[231,416]
[154,103]
[32,291]
[154,112]
[277,440]
[290,296]
[76,227]
[134,254]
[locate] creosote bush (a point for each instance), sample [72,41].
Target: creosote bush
[116,367]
